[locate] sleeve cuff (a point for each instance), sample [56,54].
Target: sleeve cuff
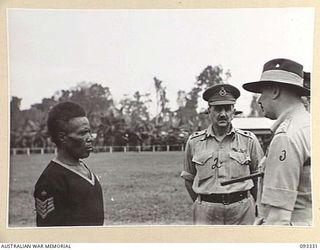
[278,216]
[187,176]
[277,197]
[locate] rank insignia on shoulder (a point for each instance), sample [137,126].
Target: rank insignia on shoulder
[239,150]
[198,133]
[283,127]
[43,208]
[245,133]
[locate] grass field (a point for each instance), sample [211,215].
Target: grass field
[138,188]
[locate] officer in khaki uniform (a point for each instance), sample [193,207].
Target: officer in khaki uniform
[219,153]
[285,195]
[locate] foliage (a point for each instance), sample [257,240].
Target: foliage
[25,124]
[187,114]
[128,123]
[211,76]
[255,109]
[15,114]
[161,102]
[135,109]
[93,97]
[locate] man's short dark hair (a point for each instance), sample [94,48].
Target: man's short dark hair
[59,116]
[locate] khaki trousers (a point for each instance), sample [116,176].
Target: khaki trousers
[238,213]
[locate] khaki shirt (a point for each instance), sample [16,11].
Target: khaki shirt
[287,179]
[209,161]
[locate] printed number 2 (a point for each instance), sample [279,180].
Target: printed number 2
[283,156]
[215,163]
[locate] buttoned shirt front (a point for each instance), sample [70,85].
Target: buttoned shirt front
[287,179]
[209,161]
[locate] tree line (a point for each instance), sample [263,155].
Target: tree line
[127,123]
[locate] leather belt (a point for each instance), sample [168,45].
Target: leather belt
[225,198]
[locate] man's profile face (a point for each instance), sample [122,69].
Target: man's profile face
[221,115]
[78,138]
[265,101]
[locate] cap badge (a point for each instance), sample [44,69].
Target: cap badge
[222,92]
[278,65]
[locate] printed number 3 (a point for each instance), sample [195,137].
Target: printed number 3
[283,156]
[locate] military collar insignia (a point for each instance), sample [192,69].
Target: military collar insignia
[222,92]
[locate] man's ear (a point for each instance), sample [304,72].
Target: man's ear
[276,90]
[233,110]
[61,137]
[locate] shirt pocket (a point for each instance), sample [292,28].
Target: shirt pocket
[239,164]
[204,164]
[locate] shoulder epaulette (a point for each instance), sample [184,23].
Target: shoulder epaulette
[283,127]
[197,134]
[245,133]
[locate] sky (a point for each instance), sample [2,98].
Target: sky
[51,50]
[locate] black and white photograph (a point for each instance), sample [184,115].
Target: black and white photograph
[160,117]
